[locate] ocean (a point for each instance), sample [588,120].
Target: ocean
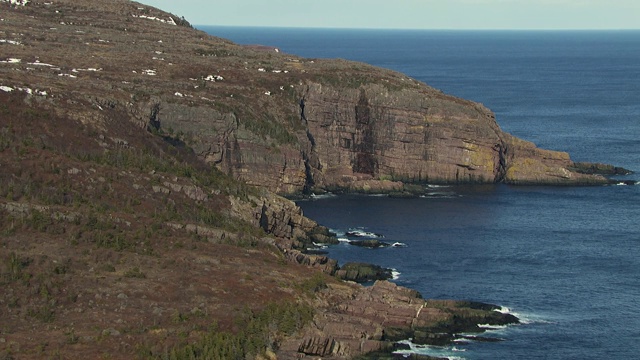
[566,260]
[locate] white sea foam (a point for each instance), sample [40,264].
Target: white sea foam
[433,186]
[341,239]
[398,244]
[360,232]
[492,327]
[395,274]
[322,196]
[435,351]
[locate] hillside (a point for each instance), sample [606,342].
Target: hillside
[139,165]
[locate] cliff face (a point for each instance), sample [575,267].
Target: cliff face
[420,135]
[275,120]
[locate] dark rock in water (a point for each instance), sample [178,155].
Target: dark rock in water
[624,182]
[361,272]
[372,244]
[599,169]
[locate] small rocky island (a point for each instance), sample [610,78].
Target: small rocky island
[143,163]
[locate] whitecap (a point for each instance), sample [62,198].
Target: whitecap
[322,196]
[395,274]
[434,186]
[492,328]
[435,351]
[360,232]
[341,239]
[398,244]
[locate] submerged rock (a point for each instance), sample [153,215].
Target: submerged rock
[369,243]
[362,272]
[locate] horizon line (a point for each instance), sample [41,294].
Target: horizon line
[418,29]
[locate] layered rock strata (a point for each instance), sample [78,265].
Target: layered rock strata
[275,120]
[366,320]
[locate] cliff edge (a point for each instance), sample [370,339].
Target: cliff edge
[274,120]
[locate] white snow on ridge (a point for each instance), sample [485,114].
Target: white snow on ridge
[11,61]
[214,78]
[87,69]
[3,41]
[38,63]
[170,21]
[25,89]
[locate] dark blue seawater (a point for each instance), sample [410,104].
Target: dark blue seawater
[565,259]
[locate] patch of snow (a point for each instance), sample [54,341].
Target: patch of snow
[68,75]
[286,71]
[158,52]
[262,70]
[276,71]
[268,93]
[157,58]
[178,94]
[281,87]
[149,72]
[16,2]
[3,41]
[277,50]
[6,88]
[32,92]
[38,63]
[11,61]
[214,78]
[87,69]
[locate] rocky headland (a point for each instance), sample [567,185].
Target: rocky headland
[142,163]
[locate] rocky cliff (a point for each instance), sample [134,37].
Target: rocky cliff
[119,235]
[275,120]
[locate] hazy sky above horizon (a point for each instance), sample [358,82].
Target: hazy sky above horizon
[410,14]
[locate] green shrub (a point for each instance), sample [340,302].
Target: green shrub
[259,331]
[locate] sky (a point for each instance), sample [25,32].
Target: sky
[411,14]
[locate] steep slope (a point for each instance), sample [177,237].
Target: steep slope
[274,120]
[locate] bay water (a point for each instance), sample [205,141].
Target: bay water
[566,260]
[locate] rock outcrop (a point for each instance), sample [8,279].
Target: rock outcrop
[275,120]
[365,320]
